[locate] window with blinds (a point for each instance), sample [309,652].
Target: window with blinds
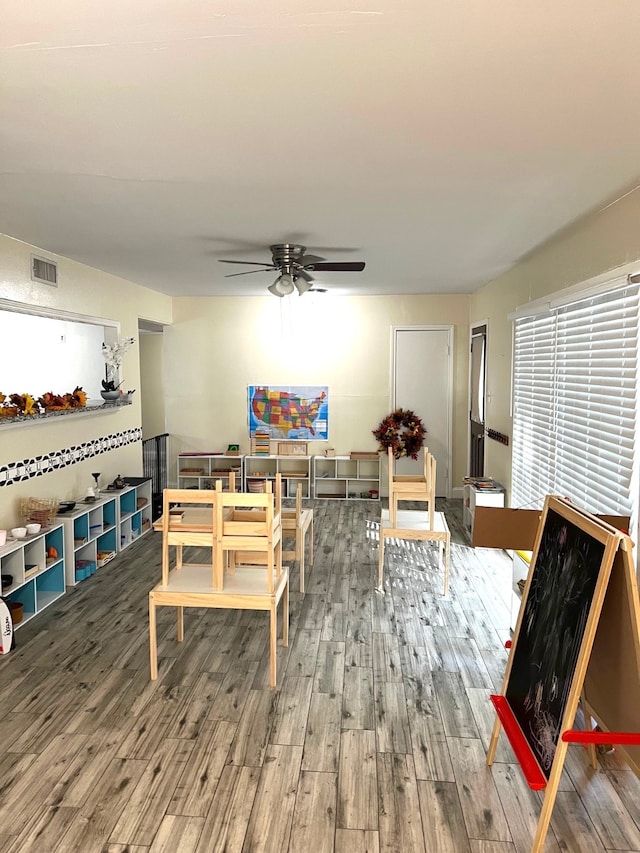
[575,407]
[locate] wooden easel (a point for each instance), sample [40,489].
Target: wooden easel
[599,623]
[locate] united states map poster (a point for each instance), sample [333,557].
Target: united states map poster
[293,412]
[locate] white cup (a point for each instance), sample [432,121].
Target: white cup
[3,538]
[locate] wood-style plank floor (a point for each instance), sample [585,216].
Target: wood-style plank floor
[374,740]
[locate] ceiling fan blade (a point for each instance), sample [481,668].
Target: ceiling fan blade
[248,272]
[311,259]
[246,263]
[352,266]
[302,273]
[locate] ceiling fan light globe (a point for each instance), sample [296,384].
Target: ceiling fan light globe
[274,289]
[283,285]
[302,285]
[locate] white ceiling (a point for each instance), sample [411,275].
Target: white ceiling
[437,141]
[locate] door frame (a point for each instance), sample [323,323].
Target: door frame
[449,328]
[476,325]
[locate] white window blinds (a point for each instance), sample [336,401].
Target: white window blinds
[575,414]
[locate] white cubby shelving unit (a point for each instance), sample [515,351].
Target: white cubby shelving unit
[341,477]
[38,579]
[292,469]
[134,512]
[201,470]
[89,529]
[95,531]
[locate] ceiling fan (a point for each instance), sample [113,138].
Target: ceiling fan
[294,267]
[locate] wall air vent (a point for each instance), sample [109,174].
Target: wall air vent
[44,271]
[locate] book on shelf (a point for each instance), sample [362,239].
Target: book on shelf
[485,484]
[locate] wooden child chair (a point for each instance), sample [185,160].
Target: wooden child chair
[248,524]
[296,522]
[192,526]
[299,521]
[413,487]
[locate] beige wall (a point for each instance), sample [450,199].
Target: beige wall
[216,347]
[81,290]
[205,359]
[596,244]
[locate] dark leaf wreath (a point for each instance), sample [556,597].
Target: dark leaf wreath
[403,432]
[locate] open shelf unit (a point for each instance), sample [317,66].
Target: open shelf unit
[201,470]
[292,469]
[89,529]
[38,579]
[475,496]
[94,532]
[340,477]
[134,508]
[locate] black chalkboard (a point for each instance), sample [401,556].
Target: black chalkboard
[565,574]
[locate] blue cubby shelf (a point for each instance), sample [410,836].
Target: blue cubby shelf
[107,542]
[127,503]
[26,595]
[49,585]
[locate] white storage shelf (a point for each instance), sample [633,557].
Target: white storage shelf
[340,477]
[292,469]
[89,529]
[95,531]
[473,497]
[134,505]
[200,471]
[37,567]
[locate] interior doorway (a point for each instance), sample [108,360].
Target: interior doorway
[153,415]
[423,382]
[151,377]
[477,399]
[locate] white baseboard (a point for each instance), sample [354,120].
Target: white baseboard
[457,492]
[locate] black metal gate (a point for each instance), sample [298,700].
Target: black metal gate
[154,461]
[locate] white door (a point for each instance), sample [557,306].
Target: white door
[423,382]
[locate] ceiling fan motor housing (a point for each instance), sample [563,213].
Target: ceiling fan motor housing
[287,255]
[294,267]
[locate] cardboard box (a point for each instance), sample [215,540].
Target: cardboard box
[516,529]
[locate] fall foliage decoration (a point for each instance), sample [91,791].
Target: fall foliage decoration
[403,432]
[51,402]
[25,405]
